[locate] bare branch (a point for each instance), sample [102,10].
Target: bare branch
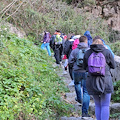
[7,6]
[10,5]
[15,10]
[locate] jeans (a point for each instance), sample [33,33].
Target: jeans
[102,106]
[80,82]
[46,45]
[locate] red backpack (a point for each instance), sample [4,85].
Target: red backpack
[75,43]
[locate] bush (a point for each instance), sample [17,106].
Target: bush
[116,48]
[116,95]
[29,87]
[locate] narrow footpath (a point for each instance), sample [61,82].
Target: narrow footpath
[70,98]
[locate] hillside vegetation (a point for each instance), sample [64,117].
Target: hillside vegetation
[29,87]
[36,16]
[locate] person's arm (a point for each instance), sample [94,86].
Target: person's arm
[107,47]
[85,65]
[111,61]
[71,59]
[66,47]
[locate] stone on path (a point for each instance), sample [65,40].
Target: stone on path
[76,118]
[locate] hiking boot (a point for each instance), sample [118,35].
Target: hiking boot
[72,83]
[78,100]
[85,115]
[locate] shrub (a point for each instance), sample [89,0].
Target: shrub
[29,87]
[116,95]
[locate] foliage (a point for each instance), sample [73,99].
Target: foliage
[115,115]
[35,17]
[116,95]
[29,87]
[116,48]
[81,2]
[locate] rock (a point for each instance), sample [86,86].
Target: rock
[115,108]
[76,118]
[92,108]
[20,33]
[116,72]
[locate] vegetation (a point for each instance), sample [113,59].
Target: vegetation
[29,87]
[36,16]
[116,95]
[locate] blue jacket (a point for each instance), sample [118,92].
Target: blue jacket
[107,47]
[89,37]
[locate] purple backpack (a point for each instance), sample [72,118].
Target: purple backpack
[96,64]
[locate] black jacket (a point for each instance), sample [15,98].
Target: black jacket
[68,47]
[95,83]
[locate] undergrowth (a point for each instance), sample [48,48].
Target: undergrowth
[29,87]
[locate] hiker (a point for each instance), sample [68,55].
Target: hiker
[80,75]
[99,82]
[71,44]
[106,46]
[89,37]
[68,47]
[64,37]
[56,43]
[45,44]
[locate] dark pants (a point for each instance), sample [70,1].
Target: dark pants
[58,53]
[70,71]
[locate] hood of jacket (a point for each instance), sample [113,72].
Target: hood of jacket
[82,45]
[97,47]
[88,35]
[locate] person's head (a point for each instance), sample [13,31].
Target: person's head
[69,35]
[96,37]
[57,30]
[98,41]
[83,39]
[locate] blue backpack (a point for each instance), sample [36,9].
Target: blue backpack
[80,57]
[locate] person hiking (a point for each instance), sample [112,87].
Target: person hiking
[71,44]
[99,83]
[56,43]
[45,44]
[89,37]
[67,50]
[80,75]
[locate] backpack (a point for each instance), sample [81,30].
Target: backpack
[58,40]
[80,57]
[75,43]
[96,64]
